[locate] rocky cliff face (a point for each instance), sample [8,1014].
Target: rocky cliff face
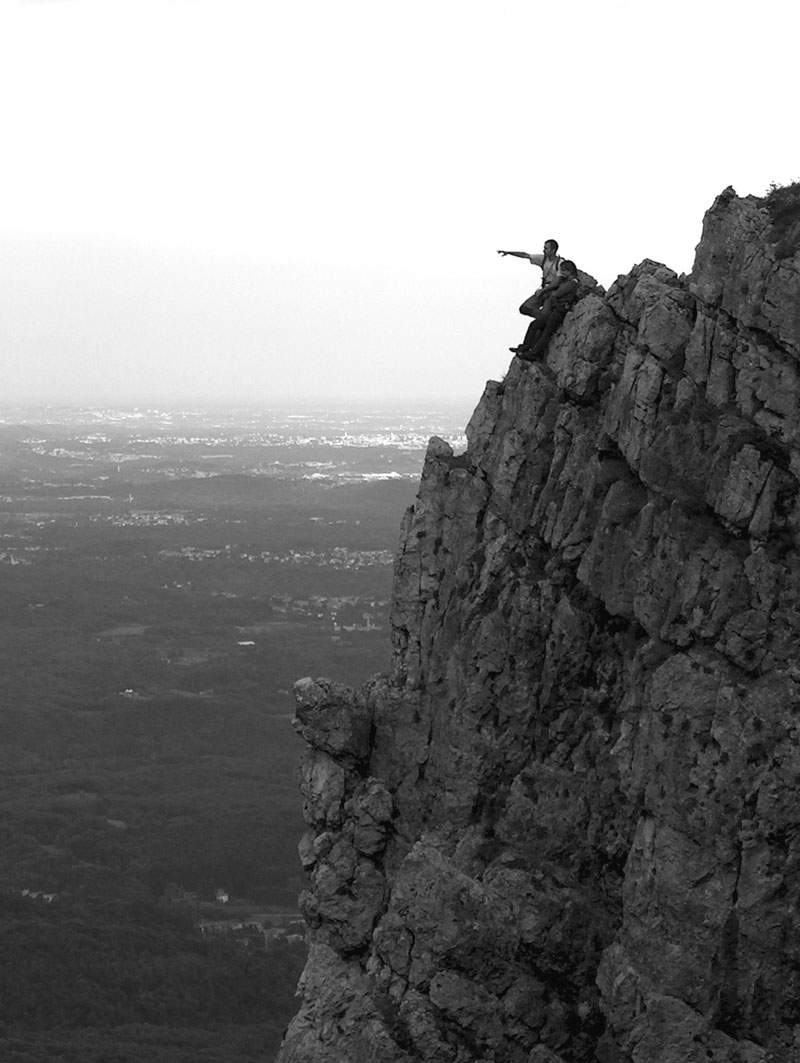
[567,826]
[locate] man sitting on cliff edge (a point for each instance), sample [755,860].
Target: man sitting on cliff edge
[556,302]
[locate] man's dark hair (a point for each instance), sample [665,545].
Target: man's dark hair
[569,266]
[554,243]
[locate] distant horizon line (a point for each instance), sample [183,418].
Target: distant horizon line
[219,404]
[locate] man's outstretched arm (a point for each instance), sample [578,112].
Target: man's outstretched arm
[535,260]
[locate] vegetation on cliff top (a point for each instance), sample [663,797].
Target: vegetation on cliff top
[783,204]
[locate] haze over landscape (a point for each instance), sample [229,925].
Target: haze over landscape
[287,202]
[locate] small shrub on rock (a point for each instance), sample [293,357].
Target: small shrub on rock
[783,204]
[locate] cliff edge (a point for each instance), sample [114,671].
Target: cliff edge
[565,828]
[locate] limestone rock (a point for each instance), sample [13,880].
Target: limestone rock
[332,718]
[565,827]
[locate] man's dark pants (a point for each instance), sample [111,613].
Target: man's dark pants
[539,332]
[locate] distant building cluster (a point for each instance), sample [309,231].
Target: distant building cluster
[12,557]
[340,557]
[40,896]
[349,613]
[149,518]
[257,930]
[250,929]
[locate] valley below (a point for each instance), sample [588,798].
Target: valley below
[166,578]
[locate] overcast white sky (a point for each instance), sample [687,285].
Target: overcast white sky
[292,200]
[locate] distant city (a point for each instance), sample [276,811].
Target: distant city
[340,445]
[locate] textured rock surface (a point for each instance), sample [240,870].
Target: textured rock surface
[565,828]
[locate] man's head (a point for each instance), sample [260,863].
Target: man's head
[550,248]
[567,268]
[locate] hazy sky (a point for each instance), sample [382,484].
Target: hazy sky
[268,200]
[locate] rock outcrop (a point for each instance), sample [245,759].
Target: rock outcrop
[566,827]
